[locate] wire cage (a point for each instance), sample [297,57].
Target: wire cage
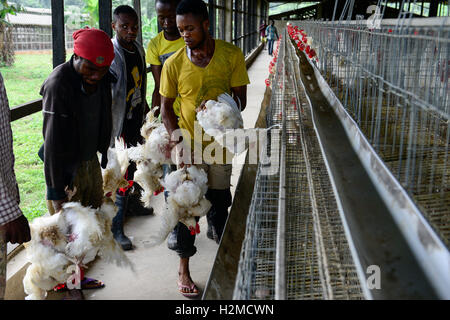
[295,208]
[256,271]
[393,81]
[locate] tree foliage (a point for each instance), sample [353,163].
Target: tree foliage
[6,41]
[5,9]
[149,29]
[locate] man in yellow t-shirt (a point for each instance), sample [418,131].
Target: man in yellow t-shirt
[161,47]
[201,71]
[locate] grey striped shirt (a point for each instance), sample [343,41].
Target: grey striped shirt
[9,192]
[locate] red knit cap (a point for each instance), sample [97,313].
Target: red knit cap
[93,45]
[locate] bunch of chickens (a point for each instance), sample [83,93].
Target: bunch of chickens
[150,156]
[113,174]
[70,238]
[223,121]
[186,200]
[303,42]
[220,115]
[220,119]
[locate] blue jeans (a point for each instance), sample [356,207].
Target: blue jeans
[270,44]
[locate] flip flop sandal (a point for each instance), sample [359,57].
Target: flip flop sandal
[86,284]
[60,287]
[89,283]
[191,288]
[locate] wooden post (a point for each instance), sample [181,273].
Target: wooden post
[105,16]
[59,48]
[137,7]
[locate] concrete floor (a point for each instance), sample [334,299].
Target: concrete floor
[156,269]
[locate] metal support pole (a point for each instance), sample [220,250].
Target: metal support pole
[212,17]
[433,9]
[228,21]
[58,41]
[137,7]
[105,16]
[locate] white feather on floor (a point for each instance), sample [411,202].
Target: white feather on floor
[186,200]
[75,235]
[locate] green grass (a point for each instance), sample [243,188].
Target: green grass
[23,81]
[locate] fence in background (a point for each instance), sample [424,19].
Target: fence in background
[28,37]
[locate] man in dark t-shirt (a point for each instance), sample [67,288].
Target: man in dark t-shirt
[134,101]
[129,105]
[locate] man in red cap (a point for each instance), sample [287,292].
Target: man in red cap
[77,124]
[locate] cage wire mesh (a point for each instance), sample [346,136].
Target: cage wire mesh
[315,227]
[318,263]
[256,271]
[393,81]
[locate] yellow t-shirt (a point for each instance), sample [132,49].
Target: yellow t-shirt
[193,84]
[159,50]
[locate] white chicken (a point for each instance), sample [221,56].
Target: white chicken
[156,140]
[147,173]
[149,157]
[113,174]
[220,115]
[71,237]
[158,143]
[151,122]
[186,200]
[220,119]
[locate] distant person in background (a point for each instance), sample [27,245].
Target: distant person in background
[272,35]
[129,107]
[14,226]
[262,32]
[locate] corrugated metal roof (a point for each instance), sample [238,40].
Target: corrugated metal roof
[25,18]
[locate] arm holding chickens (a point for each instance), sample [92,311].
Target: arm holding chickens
[170,122]
[156,97]
[240,96]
